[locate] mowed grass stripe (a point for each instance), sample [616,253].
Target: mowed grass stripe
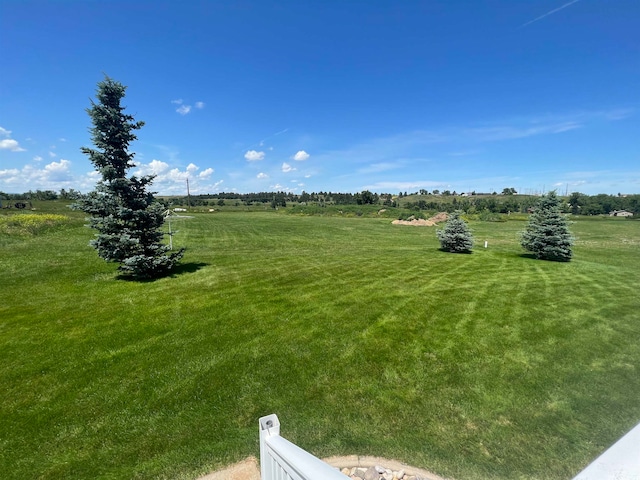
[362,336]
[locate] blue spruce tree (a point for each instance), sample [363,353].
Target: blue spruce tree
[122,210]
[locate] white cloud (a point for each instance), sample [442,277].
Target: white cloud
[8,175]
[206,173]
[253,156]
[287,168]
[155,167]
[277,186]
[58,171]
[262,175]
[301,156]
[37,158]
[62,139]
[49,177]
[173,181]
[11,145]
[183,109]
[52,155]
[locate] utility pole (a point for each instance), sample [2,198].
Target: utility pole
[188,195]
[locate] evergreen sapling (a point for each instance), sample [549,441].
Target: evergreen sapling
[455,237]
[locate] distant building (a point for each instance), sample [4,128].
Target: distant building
[620,213]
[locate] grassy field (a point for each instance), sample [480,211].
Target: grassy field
[362,336]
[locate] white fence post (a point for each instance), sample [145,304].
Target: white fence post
[282,460]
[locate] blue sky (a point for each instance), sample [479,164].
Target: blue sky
[328,95]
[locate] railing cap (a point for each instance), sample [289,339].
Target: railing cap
[270,425]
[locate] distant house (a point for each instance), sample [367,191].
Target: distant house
[620,213]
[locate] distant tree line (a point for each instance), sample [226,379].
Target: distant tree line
[70,194]
[422,200]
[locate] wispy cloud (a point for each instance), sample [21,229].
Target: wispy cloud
[183,109]
[551,12]
[262,142]
[395,186]
[381,167]
[489,134]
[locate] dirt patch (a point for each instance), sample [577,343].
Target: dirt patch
[419,222]
[249,468]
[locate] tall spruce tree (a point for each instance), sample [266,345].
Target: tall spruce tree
[455,237]
[123,211]
[547,234]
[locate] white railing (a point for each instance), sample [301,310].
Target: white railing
[620,462]
[282,460]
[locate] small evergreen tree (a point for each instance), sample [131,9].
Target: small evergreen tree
[547,234]
[124,213]
[455,237]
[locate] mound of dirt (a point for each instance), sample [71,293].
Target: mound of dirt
[439,217]
[416,222]
[419,222]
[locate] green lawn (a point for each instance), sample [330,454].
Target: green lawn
[362,336]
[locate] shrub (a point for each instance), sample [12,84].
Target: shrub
[30,223]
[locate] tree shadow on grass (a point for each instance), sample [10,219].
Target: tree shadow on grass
[190,267]
[466,252]
[179,269]
[532,256]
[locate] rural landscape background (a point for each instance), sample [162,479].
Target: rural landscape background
[284,139]
[361,335]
